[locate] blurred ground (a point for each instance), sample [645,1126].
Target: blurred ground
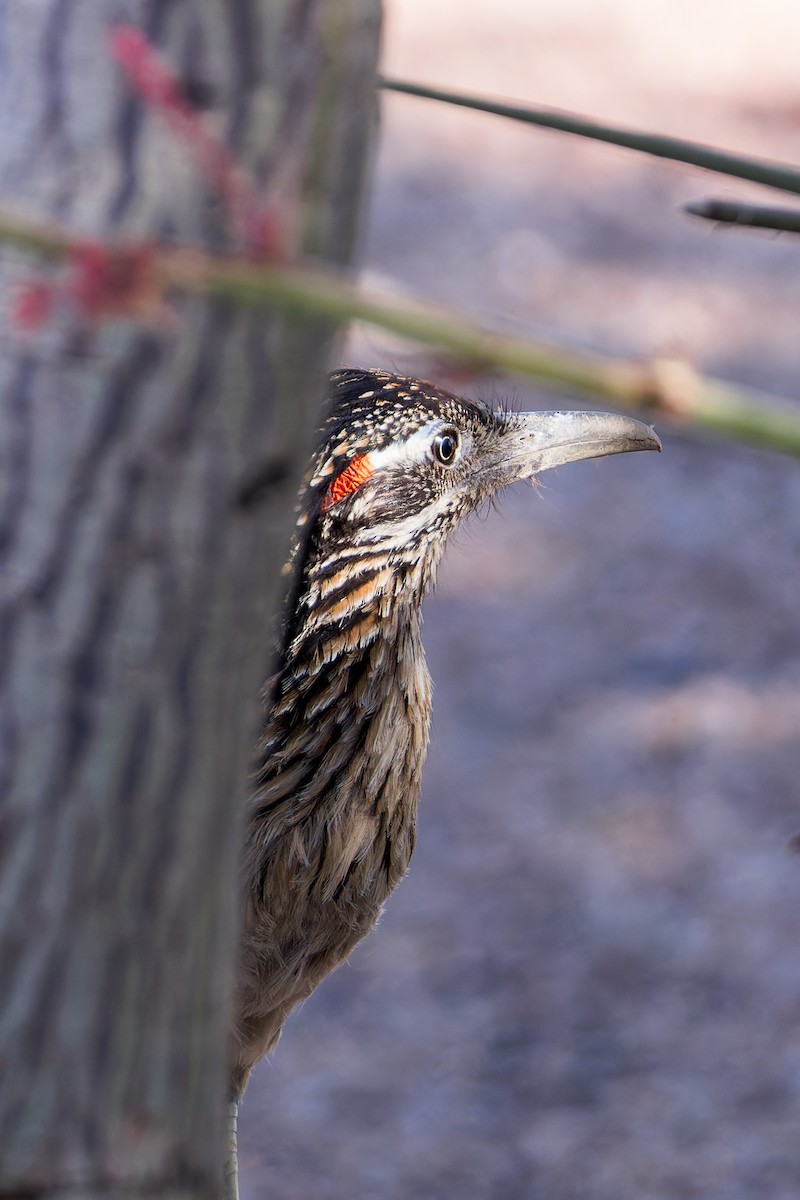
[588,987]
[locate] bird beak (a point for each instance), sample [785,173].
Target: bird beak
[541,440]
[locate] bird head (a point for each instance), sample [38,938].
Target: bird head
[402,462]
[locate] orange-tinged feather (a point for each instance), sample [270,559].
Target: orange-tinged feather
[351,478]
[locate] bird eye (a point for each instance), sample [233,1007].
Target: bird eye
[445,447]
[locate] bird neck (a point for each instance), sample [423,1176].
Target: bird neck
[347,727]
[351,600]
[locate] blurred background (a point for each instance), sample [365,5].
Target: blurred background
[589,985]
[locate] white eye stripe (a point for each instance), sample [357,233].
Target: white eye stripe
[416,448]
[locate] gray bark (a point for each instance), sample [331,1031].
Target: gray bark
[146,485]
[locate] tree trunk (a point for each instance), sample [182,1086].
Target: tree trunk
[146,486]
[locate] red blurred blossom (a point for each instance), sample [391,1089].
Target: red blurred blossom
[102,281]
[107,280]
[117,281]
[32,306]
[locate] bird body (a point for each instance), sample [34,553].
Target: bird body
[331,822]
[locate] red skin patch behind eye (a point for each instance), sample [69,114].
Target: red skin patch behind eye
[350,480]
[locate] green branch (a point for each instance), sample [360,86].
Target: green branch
[782,176]
[669,387]
[666,386]
[46,241]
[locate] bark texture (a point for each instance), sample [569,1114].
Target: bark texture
[146,486]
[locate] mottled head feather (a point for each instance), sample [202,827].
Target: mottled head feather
[369,411]
[373,408]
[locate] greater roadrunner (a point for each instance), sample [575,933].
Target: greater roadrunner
[331,825]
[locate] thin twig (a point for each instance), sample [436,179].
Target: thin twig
[670,387]
[783,176]
[755,216]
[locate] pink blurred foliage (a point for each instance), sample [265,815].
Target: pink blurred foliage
[249,217]
[104,281]
[101,281]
